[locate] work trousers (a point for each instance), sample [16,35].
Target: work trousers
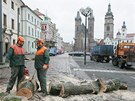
[41,74]
[16,72]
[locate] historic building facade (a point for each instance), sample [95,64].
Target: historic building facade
[109,24]
[11,22]
[31,29]
[80,33]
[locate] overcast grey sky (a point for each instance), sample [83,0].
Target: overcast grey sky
[63,13]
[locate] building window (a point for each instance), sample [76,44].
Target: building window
[32,32]
[13,41]
[38,34]
[35,46]
[32,18]
[32,45]
[18,11]
[35,21]
[5,1]
[12,5]
[108,28]
[12,23]
[29,30]
[19,27]
[28,16]
[35,32]
[43,27]
[5,20]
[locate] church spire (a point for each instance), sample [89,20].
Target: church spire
[123,26]
[109,8]
[109,12]
[78,17]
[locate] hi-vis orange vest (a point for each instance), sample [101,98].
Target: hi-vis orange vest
[40,58]
[17,58]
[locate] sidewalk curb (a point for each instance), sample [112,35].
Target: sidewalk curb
[4,66]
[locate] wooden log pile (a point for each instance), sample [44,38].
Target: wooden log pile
[65,89]
[28,87]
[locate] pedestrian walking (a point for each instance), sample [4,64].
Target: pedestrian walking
[41,64]
[16,58]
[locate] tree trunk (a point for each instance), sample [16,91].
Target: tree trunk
[27,88]
[68,88]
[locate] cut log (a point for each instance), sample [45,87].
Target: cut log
[72,89]
[111,85]
[27,88]
[66,89]
[55,88]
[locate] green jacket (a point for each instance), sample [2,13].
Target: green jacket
[15,56]
[41,57]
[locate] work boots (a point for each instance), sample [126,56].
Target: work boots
[7,92]
[43,94]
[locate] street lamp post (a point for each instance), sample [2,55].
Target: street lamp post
[86,12]
[1,34]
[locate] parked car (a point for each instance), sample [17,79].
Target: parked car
[76,53]
[52,51]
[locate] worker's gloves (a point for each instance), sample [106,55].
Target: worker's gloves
[45,66]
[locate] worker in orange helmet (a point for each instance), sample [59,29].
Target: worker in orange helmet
[17,60]
[41,64]
[39,43]
[20,41]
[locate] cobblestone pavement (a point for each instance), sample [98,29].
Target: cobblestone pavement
[61,68]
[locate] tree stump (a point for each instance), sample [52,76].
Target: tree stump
[27,88]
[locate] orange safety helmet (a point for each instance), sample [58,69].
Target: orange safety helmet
[20,38]
[40,40]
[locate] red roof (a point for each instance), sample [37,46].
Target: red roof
[130,34]
[38,13]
